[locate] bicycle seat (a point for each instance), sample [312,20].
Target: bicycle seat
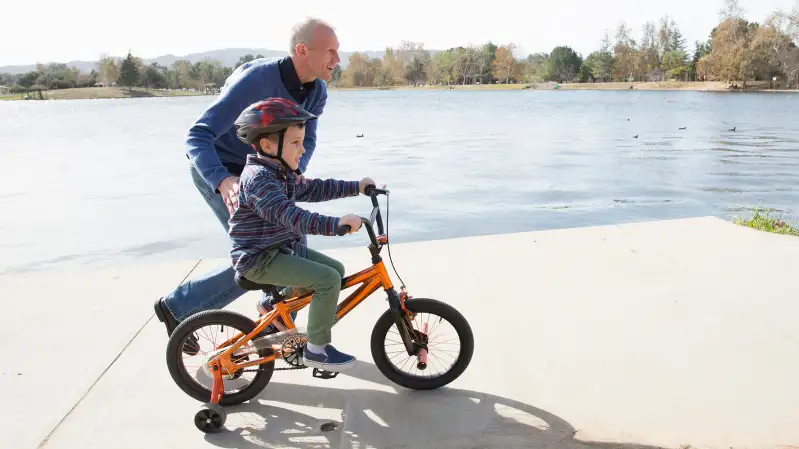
[247,284]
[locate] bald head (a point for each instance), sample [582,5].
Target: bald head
[308,32]
[314,49]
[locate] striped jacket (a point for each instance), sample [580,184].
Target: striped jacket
[267,217]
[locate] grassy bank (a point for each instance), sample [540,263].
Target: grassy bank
[710,86]
[83,93]
[764,222]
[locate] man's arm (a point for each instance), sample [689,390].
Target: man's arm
[318,190]
[216,120]
[310,130]
[269,201]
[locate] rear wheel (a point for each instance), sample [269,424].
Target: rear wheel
[448,353]
[212,328]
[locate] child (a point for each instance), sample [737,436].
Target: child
[267,227]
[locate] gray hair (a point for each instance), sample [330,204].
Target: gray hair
[303,32]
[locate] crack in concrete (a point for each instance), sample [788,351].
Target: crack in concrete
[119,354]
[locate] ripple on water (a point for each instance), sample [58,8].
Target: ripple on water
[454,169]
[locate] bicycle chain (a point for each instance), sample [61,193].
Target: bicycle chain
[276,369]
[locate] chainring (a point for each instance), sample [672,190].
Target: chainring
[290,351]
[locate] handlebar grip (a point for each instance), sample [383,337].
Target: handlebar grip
[343,229]
[369,189]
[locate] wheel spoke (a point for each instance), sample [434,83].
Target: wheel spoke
[192,374]
[439,360]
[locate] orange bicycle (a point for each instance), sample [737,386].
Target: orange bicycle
[254,346]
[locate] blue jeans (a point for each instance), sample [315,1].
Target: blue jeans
[216,289]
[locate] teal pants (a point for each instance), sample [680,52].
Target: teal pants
[317,272]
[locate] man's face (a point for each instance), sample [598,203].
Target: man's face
[322,54]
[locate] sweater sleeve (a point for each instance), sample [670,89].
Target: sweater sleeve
[310,130]
[318,190]
[268,200]
[238,93]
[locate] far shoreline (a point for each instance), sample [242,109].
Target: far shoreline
[86,93]
[697,86]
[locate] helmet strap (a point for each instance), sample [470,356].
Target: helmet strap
[279,152]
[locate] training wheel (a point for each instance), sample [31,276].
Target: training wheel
[210,418]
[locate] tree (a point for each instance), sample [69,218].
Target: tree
[467,64]
[393,72]
[28,79]
[586,74]
[128,72]
[771,50]
[360,71]
[731,10]
[154,75]
[727,60]
[415,71]
[107,69]
[504,63]
[540,67]
[648,61]
[602,62]
[673,63]
[677,41]
[335,78]
[625,54]
[485,62]
[247,58]
[565,64]
[182,75]
[442,68]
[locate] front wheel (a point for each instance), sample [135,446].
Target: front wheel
[448,353]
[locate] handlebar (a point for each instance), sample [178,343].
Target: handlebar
[372,192]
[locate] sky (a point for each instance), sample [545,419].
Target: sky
[64,31]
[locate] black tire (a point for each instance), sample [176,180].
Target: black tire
[210,418]
[423,305]
[174,356]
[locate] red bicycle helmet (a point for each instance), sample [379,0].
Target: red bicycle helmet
[273,115]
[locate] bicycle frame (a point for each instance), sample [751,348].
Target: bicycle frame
[370,279]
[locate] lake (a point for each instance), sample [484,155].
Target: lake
[106,181]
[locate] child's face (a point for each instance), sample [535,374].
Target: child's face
[292,146]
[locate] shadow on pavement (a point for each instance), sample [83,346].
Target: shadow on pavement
[282,416]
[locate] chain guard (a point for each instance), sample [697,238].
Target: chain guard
[290,351]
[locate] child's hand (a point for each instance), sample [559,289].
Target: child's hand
[365,182]
[353,220]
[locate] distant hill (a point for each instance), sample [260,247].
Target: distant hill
[227,56]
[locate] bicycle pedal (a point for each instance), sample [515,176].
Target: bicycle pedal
[324,374]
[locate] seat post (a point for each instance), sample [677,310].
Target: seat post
[276,296]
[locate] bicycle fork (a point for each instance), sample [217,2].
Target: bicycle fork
[415,341]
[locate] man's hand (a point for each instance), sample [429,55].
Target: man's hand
[365,182]
[352,220]
[229,189]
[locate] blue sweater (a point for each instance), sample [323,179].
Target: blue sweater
[268,218]
[211,141]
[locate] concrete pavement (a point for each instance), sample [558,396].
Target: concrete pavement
[659,334]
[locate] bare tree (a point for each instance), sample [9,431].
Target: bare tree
[731,10]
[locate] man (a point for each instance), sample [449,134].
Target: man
[217,155]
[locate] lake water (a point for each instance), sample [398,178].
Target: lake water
[106,181]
